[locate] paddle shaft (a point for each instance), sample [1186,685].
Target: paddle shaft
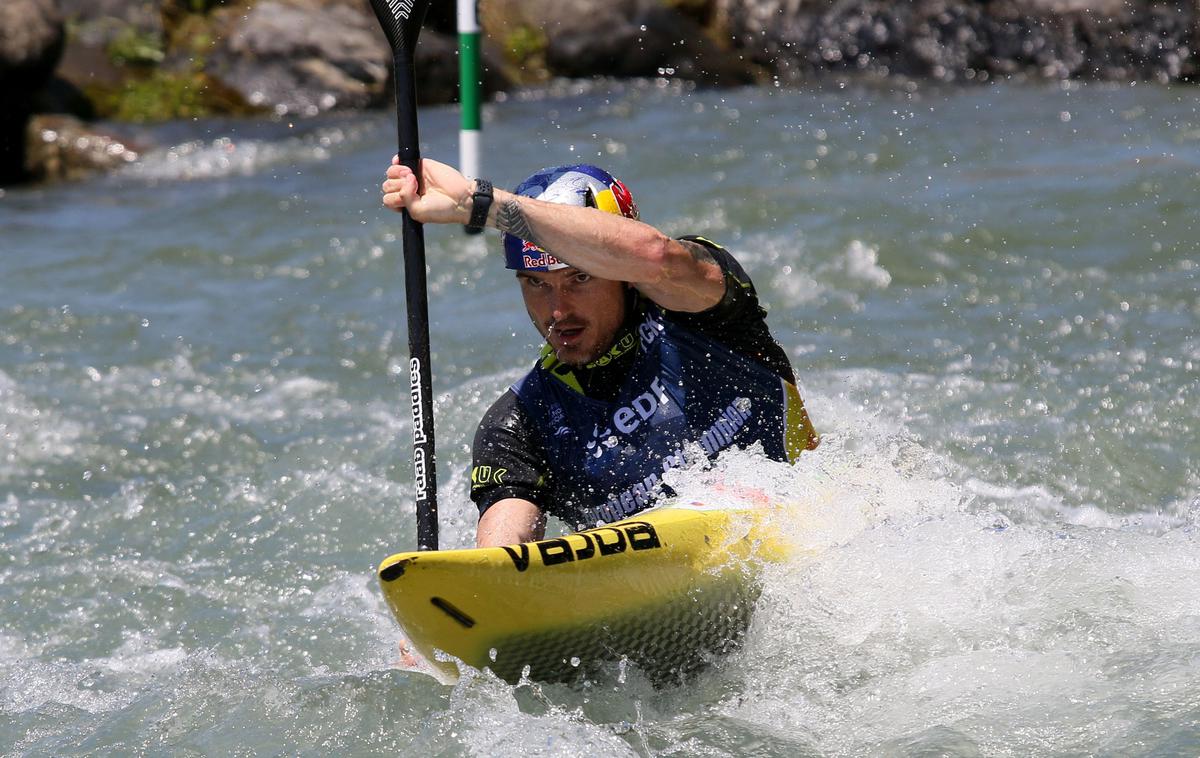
[401,22]
[417,300]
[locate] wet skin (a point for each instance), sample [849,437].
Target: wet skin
[577,313]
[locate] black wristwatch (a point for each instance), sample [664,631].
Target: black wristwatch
[481,203]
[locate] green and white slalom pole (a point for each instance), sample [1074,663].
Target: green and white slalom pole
[470,98]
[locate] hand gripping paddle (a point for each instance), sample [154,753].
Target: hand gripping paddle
[401,22]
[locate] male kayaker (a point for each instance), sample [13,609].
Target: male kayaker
[657,351]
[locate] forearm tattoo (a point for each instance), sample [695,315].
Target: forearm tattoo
[511,218]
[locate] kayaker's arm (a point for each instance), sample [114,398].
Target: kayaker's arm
[509,522]
[676,274]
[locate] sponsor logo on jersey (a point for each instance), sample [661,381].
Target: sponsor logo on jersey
[626,343]
[482,476]
[649,331]
[601,441]
[714,439]
[628,418]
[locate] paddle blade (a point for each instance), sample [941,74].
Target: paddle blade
[401,21]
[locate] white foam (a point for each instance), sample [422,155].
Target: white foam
[860,262]
[354,599]
[796,287]
[265,396]
[1037,503]
[139,656]
[916,610]
[798,279]
[493,722]
[96,685]
[235,156]
[301,388]
[30,434]
[949,620]
[13,648]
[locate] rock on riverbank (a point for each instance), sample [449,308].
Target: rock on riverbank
[576,38]
[165,59]
[31,40]
[958,40]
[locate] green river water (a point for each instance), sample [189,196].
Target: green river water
[990,295]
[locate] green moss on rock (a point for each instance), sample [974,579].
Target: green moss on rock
[132,47]
[164,95]
[525,53]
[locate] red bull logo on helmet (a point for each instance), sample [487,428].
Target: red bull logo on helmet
[544,260]
[534,258]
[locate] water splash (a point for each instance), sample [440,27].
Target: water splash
[234,156]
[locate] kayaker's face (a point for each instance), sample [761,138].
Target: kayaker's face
[577,313]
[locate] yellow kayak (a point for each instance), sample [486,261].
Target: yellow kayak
[667,589]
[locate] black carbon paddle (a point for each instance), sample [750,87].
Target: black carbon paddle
[401,21]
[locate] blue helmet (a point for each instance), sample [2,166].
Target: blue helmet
[581,185]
